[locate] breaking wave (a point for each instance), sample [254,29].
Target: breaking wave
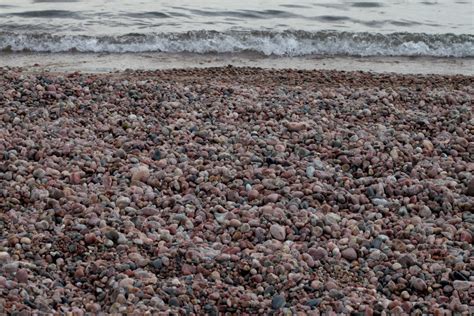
[285,43]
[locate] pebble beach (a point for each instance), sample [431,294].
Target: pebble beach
[236,191]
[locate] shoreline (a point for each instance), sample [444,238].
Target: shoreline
[235,190]
[102,63]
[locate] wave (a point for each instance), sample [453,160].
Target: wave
[286,43]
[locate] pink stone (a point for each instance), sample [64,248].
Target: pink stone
[253,194]
[296,126]
[278,232]
[272,198]
[349,254]
[22,276]
[75,178]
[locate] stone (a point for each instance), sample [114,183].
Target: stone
[349,254]
[113,235]
[332,218]
[318,253]
[4,258]
[156,155]
[253,195]
[428,145]
[140,174]
[470,188]
[39,173]
[149,211]
[22,276]
[90,238]
[278,301]
[278,232]
[418,284]
[296,126]
[271,198]
[407,261]
[122,202]
[462,285]
[310,170]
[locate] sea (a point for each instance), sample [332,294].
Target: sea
[434,28]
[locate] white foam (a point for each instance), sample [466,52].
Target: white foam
[289,43]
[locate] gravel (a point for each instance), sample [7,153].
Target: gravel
[236,190]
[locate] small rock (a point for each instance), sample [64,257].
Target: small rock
[310,170]
[428,145]
[112,235]
[407,261]
[318,253]
[313,302]
[140,174]
[278,301]
[470,188]
[149,211]
[296,126]
[39,173]
[22,276]
[90,238]
[418,284]
[349,254]
[272,198]
[252,195]
[122,202]
[11,267]
[156,154]
[4,258]
[461,285]
[278,232]
[332,218]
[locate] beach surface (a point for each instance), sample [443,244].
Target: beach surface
[235,190]
[108,62]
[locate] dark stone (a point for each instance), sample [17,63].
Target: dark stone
[376,243]
[211,310]
[336,294]
[407,261]
[112,235]
[456,275]
[314,302]
[269,290]
[157,263]
[278,301]
[156,155]
[470,188]
[174,301]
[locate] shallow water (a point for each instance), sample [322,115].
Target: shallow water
[270,27]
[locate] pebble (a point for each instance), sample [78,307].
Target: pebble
[278,232]
[141,173]
[235,190]
[470,188]
[278,301]
[349,254]
[4,258]
[122,202]
[22,276]
[418,284]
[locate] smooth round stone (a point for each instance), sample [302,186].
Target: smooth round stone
[278,232]
[22,275]
[349,254]
[253,195]
[418,284]
[4,258]
[122,202]
[396,266]
[278,301]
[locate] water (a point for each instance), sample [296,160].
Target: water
[267,27]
